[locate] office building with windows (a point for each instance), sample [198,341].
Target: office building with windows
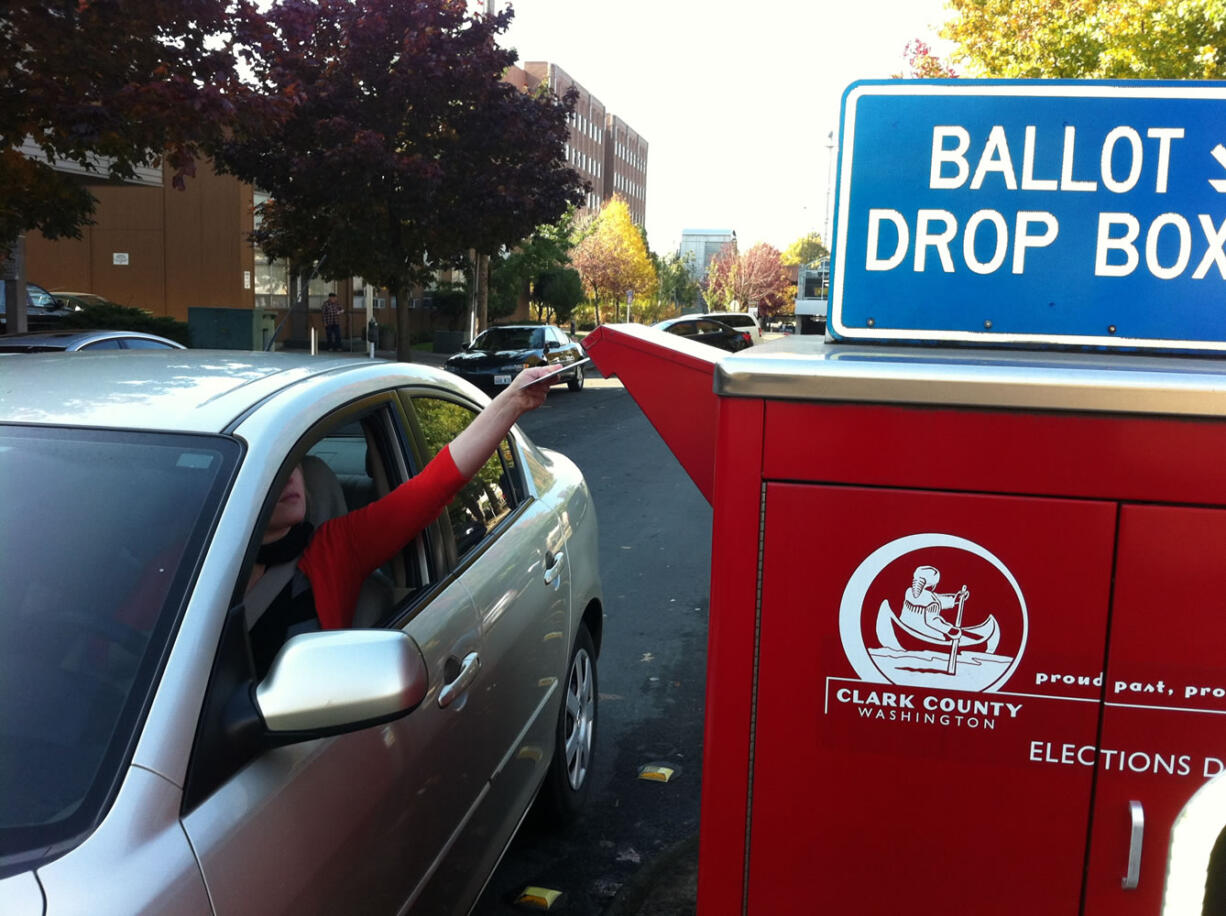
[603,148]
[699,246]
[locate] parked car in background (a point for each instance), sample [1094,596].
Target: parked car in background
[741,321]
[707,330]
[43,310]
[501,351]
[80,300]
[73,340]
[148,768]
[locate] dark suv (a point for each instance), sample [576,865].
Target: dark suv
[500,352]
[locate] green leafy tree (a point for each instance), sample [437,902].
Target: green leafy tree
[612,258]
[558,291]
[405,149]
[805,250]
[521,273]
[719,288]
[677,288]
[1078,39]
[507,284]
[451,301]
[111,85]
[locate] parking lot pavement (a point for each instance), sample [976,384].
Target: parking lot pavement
[666,887]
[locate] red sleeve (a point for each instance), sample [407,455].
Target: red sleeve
[345,550]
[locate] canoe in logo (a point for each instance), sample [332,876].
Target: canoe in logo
[933,610]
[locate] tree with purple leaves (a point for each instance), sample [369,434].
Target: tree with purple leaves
[405,149]
[109,86]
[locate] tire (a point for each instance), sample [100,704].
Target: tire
[576,384]
[566,785]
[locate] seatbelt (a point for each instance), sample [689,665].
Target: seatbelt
[257,601]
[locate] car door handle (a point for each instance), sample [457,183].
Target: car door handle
[455,688]
[1137,815]
[553,566]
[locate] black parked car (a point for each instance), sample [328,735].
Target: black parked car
[500,352]
[708,331]
[43,310]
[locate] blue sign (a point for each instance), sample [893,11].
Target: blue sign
[1032,213]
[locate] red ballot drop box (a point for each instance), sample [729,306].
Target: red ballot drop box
[967,646]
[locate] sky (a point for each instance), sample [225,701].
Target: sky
[735,101]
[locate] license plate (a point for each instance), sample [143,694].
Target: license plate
[502,379]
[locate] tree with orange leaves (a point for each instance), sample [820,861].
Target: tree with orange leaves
[612,258]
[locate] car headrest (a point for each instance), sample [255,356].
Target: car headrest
[325,497]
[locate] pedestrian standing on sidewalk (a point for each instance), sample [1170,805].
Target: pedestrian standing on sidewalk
[332,323]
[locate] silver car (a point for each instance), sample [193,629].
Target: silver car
[73,340]
[143,766]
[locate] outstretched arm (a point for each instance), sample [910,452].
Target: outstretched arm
[477,442]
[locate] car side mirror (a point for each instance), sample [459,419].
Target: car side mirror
[341,680]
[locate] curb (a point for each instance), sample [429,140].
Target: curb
[666,887]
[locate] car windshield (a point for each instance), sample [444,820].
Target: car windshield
[508,339]
[39,297]
[100,536]
[87,298]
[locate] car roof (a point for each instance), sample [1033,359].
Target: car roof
[166,390]
[70,336]
[707,316]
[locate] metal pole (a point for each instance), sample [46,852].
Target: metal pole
[829,182]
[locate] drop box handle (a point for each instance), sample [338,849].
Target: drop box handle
[1137,814]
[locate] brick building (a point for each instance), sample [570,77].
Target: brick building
[168,251]
[603,148]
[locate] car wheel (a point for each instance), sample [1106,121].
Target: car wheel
[566,785]
[576,384]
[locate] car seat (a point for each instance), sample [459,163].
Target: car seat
[325,501]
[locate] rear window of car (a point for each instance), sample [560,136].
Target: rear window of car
[100,537]
[737,321]
[509,339]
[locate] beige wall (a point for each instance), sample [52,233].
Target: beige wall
[185,248]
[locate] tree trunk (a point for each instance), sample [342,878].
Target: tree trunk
[299,305]
[14,281]
[404,323]
[483,292]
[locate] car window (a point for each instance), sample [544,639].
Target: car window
[538,338]
[504,339]
[486,499]
[39,297]
[682,329]
[708,327]
[143,343]
[101,534]
[109,344]
[350,462]
[737,321]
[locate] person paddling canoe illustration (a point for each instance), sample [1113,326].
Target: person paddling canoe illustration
[922,604]
[922,616]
